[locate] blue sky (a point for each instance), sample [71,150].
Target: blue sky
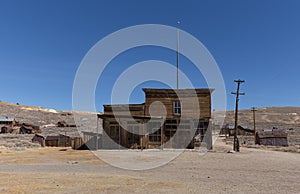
[43,42]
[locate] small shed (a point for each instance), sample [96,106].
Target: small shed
[64,141]
[6,129]
[78,144]
[58,141]
[39,139]
[274,137]
[52,141]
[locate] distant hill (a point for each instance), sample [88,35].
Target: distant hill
[266,118]
[287,118]
[48,119]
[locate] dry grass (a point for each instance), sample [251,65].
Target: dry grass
[48,155]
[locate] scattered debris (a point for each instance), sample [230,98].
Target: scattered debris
[72,162]
[64,124]
[29,129]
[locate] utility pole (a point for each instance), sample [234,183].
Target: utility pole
[253,109]
[236,145]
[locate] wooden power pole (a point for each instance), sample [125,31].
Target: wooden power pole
[253,109]
[236,145]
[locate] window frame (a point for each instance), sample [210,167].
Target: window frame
[176,107]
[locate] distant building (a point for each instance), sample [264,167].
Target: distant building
[39,139]
[241,130]
[6,124]
[58,141]
[182,124]
[7,121]
[29,129]
[273,137]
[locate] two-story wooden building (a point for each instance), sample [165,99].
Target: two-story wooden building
[168,119]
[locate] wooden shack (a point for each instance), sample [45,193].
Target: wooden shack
[6,129]
[52,140]
[274,137]
[58,141]
[78,144]
[168,118]
[39,139]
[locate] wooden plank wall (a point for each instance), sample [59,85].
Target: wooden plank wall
[188,103]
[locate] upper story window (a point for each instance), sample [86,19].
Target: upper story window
[176,108]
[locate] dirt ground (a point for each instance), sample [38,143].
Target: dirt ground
[56,170]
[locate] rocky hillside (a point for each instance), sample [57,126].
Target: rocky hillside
[287,118]
[266,118]
[47,120]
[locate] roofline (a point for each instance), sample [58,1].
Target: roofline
[128,116]
[141,104]
[170,89]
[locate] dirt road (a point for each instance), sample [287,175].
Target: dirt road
[48,170]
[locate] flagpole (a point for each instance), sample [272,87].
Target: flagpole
[177,55]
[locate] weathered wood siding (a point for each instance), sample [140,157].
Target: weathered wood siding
[135,109]
[191,102]
[159,104]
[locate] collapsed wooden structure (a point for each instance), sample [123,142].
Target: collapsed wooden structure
[77,143]
[26,128]
[241,130]
[10,125]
